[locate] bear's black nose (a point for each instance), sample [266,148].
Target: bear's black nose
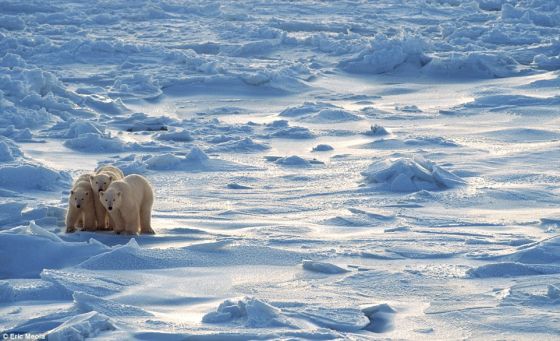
[109,208]
[78,206]
[99,190]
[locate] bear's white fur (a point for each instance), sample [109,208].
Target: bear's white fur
[129,203]
[81,207]
[100,181]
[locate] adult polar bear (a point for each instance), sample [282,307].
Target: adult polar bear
[129,203]
[100,181]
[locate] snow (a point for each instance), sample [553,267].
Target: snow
[81,327]
[323,267]
[321,170]
[411,175]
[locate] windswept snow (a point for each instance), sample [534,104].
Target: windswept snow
[322,170]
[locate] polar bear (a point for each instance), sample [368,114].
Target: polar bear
[81,207]
[129,203]
[99,182]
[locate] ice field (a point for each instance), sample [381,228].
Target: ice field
[322,169]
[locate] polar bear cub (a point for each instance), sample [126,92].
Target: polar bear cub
[129,203]
[81,207]
[100,181]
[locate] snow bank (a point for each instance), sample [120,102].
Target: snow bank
[387,54]
[410,175]
[32,249]
[81,327]
[133,257]
[251,312]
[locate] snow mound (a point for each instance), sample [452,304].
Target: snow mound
[137,85]
[333,115]
[320,112]
[293,161]
[96,143]
[410,175]
[251,312]
[473,65]
[195,160]
[178,136]
[306,108]
[387,54]
[322,148]
[81,127]
[81,327]
[246,145]
[322,267]
[298,133]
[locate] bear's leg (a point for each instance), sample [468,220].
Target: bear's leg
[132,222]
[100,213]
[89,221]
[146,218]
[110,223]
[72,217]
[119,222]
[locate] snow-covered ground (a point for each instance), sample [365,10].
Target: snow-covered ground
[322,170]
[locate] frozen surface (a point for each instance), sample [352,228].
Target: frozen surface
[322,170]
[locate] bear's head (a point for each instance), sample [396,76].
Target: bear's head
[111,198]
[80,196]
[100,182]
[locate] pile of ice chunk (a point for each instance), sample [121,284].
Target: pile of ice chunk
[411,175]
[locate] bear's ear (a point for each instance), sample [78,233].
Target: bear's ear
[71,192]
[119,194]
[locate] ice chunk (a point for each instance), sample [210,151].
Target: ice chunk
[81,327]
[251,312]
[411,175]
